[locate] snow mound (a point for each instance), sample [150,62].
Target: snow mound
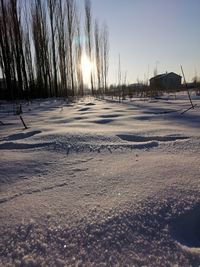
[134,236]
[139,138]
[186,229]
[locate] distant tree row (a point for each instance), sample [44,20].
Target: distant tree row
[41,47]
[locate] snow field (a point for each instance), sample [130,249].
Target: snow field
[100,183]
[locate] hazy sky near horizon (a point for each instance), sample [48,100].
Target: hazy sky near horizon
[149,34]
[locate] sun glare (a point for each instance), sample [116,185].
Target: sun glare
[86,67]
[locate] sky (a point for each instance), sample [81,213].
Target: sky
[149,35]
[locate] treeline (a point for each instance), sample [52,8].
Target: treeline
[41,47]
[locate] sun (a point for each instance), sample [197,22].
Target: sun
[86,68]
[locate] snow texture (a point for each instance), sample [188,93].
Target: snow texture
[100,183]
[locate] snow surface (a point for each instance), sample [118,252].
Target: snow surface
[100,183]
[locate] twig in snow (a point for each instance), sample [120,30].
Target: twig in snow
[192,106]
[23,122]
[188,109]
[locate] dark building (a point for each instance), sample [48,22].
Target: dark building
[166,81]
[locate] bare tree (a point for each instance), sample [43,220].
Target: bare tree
[62,48]
[19,53]
[101,61]
[11,41]
[71,31]
[51,8]
[12,60]
[105,55]
[88,31]
[97,54]
[27,49]
[41,45]
[5,48]
[119,78]
[41,48]
[79,51]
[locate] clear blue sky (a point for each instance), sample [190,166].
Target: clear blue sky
[150,33]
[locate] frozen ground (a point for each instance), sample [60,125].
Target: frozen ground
[100,183]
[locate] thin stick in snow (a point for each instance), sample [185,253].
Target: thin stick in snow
[188,109]
[187,88]
[23,122]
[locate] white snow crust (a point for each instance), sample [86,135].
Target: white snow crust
[100,183]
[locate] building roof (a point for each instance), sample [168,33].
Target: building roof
[164,75]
